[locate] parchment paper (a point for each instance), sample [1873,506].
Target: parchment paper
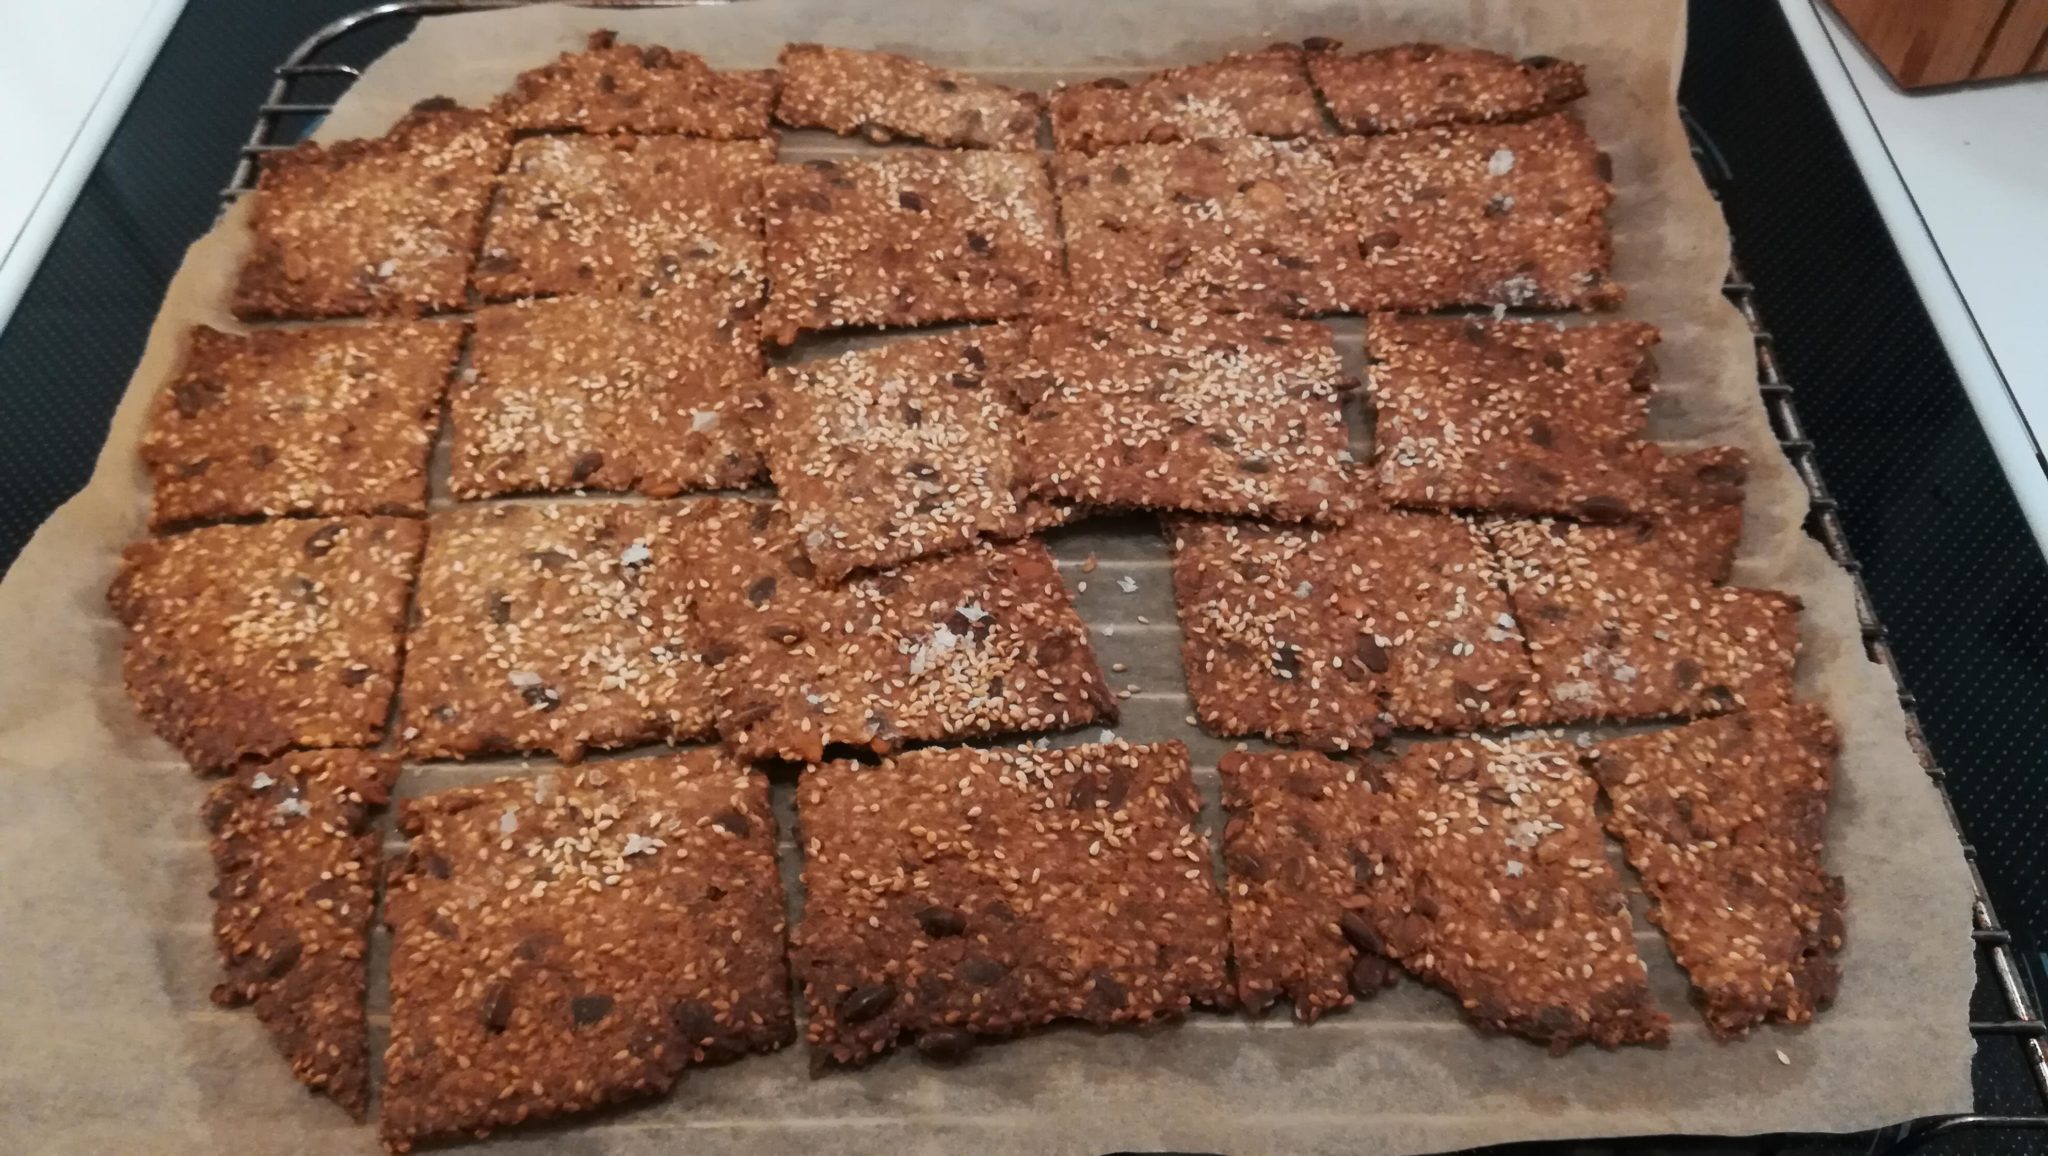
[107,1042]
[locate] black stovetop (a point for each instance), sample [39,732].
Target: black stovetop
[1953,571]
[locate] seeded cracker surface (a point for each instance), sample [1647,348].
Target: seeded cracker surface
[1263,93]
[1495,214]
[1615,637]
[1212,414]
[1295,853]
[1330,637]
[611,87]
[1488,878]
[385,225]
[628,214]
[957,893]
[577,939]
[883,97]
[1696,510]
[654,394]
[1725,821]
[557,627]
[1692,521]
[888,453]
[1238,224]
[325,420]
[909,238]
[248,641]
[1413,86]
[294,854]
[1514,416]
[981,642]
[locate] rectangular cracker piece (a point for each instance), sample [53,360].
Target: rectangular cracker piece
[1489,879]
[628,214]
[953,894]
[1691,522]
[909,237]
[323,420]
[246,641]
[1411,86]
[1511,416]
[611,87]
[1237,224]
[656,395]
[1263,93]
[1614,637]
[1696,510]
[895,451]
[579,938]
[1456,657]
[387,225]
[1268,640]
[1294,853]
[1330,637]
[1495,214]
[556,627]
[884,96]
[977,643]
[295,856]
[1725,820]
[1216,414]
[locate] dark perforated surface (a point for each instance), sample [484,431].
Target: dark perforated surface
[66,355]
[1949,561]
[1953,571]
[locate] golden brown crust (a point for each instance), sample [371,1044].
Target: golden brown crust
[909,237]
[884,96]
[1691,521]
[324,420]
[628,214]
[1239,224]
[1184,411]
[295,855]
[387,225]
[1500,214]
[1725,820]
[1331,637]
[249,641]
[577,939]
[956,893]
[611,87]
[1293,852]
[658,395]
[561,627]
[1263,93]
[1412,86]
[976,643]
[1616,635]
[1512,416]
[1484,873]
[900,450]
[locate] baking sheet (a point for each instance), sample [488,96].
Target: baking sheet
[108,1042]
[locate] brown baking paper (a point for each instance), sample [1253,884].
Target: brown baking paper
[108,1043]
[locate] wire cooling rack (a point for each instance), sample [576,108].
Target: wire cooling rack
[314,75]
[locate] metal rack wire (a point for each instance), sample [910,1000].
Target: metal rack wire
[2022,1018]
[292,108]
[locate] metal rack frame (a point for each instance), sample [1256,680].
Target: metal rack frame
[2022,1019]
[2023,1015]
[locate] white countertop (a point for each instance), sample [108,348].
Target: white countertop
[1961,178]
[67,71]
